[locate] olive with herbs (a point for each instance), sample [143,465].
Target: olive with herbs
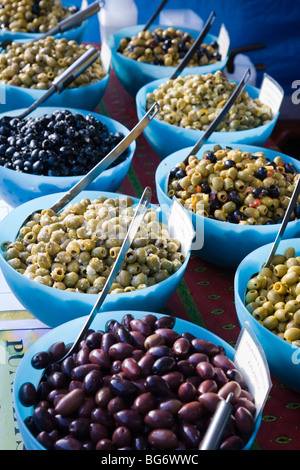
[167,47]
[234,186]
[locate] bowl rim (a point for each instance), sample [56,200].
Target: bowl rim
[245,264]
[84,112]
[170,69]
[69,295]
[180,323]
[149,87]
[160,178]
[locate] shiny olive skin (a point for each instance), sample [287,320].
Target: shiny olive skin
[137,386]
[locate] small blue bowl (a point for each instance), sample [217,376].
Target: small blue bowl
[68,333]
[224,244]
[133,74]
[282,356]
[75,33]
[17,187]
[53,306]
[166,138]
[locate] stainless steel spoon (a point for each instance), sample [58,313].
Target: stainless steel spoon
[62,81]
[155,14]
[217,120]
[217,425]
[286,219]
[195,46]
[103,164]
[132,230]
[74,19]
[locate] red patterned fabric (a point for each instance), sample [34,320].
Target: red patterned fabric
[205,296]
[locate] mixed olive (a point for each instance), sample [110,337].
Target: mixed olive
[194,101]
[167,47]
[36,64]
[32,16]
[234,186]
[137,385]
[75,249]
[273,296]
[57,144]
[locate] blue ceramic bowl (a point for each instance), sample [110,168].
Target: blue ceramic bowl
[18,187]
[224,244]
[85,97]
[133,75]
[53,306]
[282,356]
[166,138]
[67,333]
[72,34]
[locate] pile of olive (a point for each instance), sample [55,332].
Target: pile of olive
[36,64]
[138,385]
[57,144]
[167,47]
[75,249]
[32,16]
[194,101]
[273,296]
[235,186]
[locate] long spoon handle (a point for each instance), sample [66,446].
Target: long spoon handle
[110,157]
[284,222]
[154,16]
[195,45]
[73,20]
[132,230]
[63,81]
[217,425]
[220,116]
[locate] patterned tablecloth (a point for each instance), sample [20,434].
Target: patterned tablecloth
[205,295]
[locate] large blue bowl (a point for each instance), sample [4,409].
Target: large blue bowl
[224,244]
[133,74]
[282,356]
[166,138]
[75,33]
[67,333]
[85,97]
[53,306]
[17,187]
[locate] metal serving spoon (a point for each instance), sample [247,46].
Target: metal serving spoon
[217,425]
[286,219]
[74,19]
[218,119]
[62,81]
[102,165]
[155,14]
[132,230]
[195,46]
